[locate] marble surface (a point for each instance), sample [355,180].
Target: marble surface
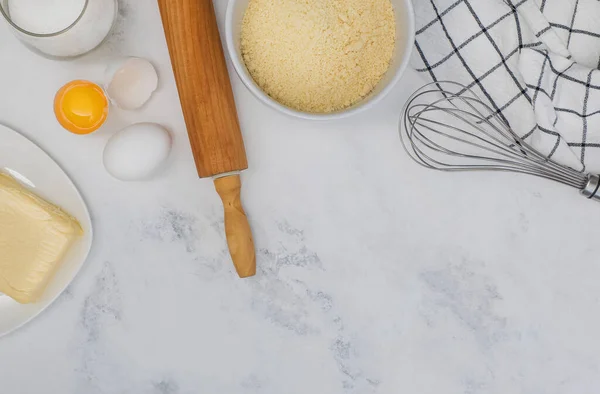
[375,276]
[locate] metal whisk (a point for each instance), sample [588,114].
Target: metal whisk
[454,130]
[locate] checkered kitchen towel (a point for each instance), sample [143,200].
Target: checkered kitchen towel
[536,61]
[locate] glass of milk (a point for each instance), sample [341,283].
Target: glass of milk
[60,28]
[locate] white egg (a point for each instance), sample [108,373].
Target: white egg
[137,152]
[130,82]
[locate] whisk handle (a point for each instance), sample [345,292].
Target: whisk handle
[592,189]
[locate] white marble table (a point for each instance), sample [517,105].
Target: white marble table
[375,276]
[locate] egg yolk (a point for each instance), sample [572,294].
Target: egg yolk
[81,107]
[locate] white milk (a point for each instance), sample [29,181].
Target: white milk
[46,17]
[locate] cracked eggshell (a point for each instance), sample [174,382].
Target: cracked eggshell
[130,82]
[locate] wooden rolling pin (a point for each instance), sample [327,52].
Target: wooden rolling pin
[210,114]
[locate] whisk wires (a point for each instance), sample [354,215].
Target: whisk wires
[454,130]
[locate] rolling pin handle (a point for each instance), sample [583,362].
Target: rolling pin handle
[237,228]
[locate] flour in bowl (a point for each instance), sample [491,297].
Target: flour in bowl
[318,56]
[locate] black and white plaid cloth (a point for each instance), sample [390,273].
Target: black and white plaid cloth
[536,62]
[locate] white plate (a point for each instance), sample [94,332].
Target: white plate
[34,168]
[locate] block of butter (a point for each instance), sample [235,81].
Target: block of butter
[34,238]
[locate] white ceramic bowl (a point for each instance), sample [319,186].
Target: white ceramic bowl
[405,37]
